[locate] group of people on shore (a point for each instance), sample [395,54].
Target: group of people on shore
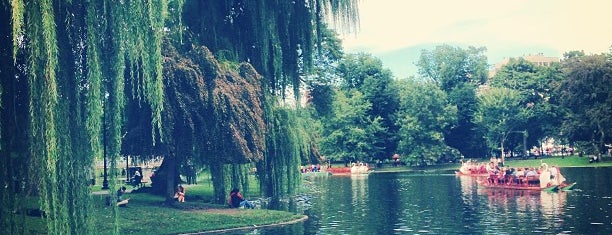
[235,199]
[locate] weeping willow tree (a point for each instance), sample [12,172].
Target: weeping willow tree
[213,115]
[220,122]
[278,39]
[71,60]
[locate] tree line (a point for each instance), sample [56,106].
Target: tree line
[453,109]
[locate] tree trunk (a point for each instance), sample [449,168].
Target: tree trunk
[173,180]
[166,178]
[217,174]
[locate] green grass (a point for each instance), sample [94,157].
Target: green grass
[572,161]
[147,214]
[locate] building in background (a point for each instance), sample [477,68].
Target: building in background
[538,59]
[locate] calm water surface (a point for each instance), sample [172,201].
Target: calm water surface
[409,203]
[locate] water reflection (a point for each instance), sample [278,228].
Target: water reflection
[405,203]
[543,210]
[359,188]
[547,203]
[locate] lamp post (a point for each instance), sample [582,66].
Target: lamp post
[105,181]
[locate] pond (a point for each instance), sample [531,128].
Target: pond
[412,203]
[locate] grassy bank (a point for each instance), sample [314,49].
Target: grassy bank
[149,214]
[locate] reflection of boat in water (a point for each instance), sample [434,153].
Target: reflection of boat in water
[513,186]
[316,173]
[548,203]
[552,202]
[354,169]
[530,187]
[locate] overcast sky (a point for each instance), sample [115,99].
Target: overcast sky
[397,30]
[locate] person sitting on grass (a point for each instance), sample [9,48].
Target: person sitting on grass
[236,200]
[180,194]
[120,201]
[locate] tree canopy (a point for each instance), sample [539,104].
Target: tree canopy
[458,72]
[271,35]
[586,95]
[425,112]
[77,65]
[535,86]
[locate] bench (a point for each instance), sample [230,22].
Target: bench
[135,183]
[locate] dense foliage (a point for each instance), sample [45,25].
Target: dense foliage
[586,95]
[455,110]
[458,72]
[424,114]
[82,71]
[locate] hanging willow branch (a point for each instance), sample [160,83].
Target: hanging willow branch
[272,35]
[77,53]
[285,144]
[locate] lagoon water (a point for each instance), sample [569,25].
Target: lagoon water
[413,203]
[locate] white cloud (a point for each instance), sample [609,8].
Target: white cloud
[564,25]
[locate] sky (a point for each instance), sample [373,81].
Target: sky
[396,31]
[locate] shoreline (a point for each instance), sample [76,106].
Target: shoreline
[303,218]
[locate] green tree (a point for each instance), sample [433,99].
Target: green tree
[458,72]
[67,55]
[573,54]
[585,93]
[348,133]
[324,77]
[424,114]
[277,37]
[366,73]
[535,85]
[450,66]
[499,114]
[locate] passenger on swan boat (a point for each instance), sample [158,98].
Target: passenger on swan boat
[543,177]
